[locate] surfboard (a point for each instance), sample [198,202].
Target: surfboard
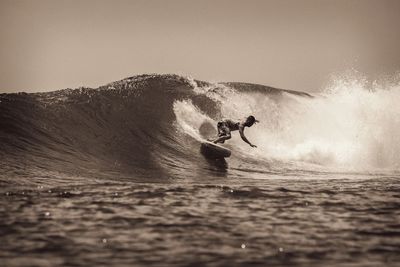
[212,150]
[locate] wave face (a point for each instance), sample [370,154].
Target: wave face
[150,127]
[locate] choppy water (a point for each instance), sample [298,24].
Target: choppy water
[113,176]
[227,222]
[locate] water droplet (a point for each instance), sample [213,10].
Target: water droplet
[243,246]
[231,190]
[280,249]
[47,214]
[104,240]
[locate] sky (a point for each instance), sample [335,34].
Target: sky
[48,45]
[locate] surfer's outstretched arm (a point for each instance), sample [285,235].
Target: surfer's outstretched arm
[241,131]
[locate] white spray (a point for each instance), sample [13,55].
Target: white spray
[351,125]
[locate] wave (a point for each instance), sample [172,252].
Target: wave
[151,126]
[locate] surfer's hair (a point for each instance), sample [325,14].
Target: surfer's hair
[250,120]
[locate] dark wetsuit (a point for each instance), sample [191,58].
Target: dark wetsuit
[226,126]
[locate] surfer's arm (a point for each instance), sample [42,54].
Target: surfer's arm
[241,131]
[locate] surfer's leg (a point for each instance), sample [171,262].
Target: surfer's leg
[224,133]
[222,138]
[220,127]
[221,131]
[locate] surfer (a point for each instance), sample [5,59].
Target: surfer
[226,126]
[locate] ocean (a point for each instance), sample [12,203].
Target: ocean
[113,176]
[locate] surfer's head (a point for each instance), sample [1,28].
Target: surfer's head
[250,121]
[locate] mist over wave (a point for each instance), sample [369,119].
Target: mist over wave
[152,126]
[350,125]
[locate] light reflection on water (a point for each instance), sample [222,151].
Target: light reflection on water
[225,222]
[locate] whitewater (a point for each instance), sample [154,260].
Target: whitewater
[114,175]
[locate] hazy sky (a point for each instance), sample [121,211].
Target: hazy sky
[49,45]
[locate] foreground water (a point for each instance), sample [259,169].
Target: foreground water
[351,221]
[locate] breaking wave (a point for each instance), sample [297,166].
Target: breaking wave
[152,125]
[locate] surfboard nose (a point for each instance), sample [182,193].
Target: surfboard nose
[212,150]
